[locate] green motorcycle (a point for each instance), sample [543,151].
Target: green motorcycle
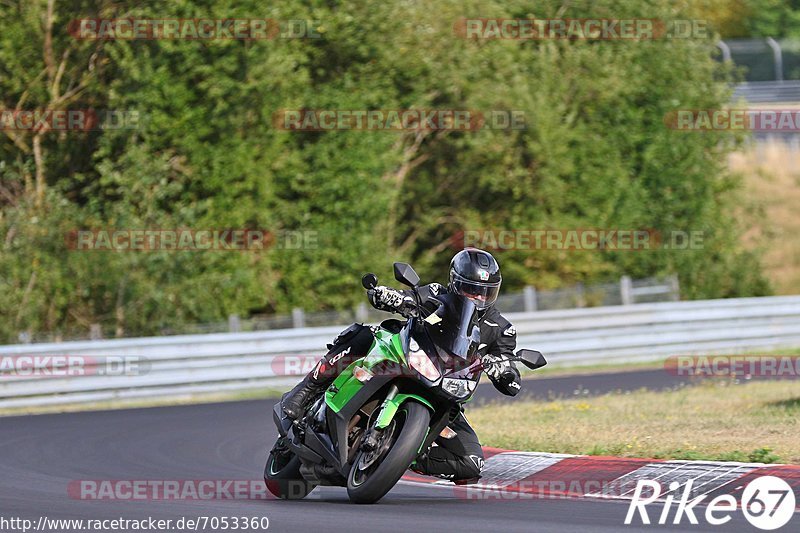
[387,407]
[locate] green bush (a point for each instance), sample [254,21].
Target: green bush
[595,153]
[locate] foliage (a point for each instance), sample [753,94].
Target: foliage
[595,153]
[749,18]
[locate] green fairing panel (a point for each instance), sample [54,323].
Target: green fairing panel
[386,347]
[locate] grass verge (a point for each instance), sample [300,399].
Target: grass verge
[715,420]
[769,208]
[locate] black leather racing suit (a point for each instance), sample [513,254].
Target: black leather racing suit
[461,457]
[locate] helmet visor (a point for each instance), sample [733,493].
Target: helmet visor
[483,295]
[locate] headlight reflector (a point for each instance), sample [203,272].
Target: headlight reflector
[460,388]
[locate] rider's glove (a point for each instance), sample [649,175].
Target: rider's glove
[388,299]
[495,366]
[503,374]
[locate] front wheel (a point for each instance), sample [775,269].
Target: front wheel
[282,474]
[374,473]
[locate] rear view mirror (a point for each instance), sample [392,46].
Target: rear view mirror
[531,359]
[405,274]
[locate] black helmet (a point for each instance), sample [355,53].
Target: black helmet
[476,275]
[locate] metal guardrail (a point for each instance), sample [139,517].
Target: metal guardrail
[625,292]
[764,59]
[188,364]
[768,92]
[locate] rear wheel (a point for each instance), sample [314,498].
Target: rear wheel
[282,474]
[374,473]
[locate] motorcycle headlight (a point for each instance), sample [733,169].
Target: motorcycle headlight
[460,388]
[419,361]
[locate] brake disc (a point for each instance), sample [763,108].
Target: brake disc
[384,441]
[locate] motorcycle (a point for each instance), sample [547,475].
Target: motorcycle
[387,407]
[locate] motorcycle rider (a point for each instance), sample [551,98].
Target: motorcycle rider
[474,274]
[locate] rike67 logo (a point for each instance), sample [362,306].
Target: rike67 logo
[768,503]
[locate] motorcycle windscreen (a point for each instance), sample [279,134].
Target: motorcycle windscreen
[456,330]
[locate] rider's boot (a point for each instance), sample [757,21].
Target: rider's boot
[295,403]
[444,464]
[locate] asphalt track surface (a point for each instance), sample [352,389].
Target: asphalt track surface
[41,455]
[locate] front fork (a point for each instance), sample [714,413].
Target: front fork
[370,441]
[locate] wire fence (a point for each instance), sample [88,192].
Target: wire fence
[624,292]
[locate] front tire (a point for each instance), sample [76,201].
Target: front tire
[370,478]
[282,475]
